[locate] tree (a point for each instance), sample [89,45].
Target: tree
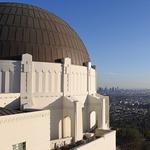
[147,134]
[146,146]
[128,135]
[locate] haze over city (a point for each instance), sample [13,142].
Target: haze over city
[116,34]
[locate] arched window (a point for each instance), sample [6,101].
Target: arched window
[67,127]
[60,129]
[92,119]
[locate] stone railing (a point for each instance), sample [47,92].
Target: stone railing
[60,142]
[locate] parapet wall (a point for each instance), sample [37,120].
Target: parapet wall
[32,128]
[42,83]
[10,76]
[106,142]
[10,100]
[47,78]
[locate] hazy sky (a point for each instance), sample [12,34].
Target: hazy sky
[116,34]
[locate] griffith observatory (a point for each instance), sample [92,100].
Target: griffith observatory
[48,98]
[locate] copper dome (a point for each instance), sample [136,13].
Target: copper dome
[29,29]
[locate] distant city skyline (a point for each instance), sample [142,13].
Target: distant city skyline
[116,34]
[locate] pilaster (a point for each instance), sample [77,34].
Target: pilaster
[26,81]
[66,77]
[89,78]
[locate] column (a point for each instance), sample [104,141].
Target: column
[7,81]
[103,114]
[78,121]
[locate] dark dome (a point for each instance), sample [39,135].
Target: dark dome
[29,29]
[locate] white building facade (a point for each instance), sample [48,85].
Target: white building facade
[57,105]
[68,91]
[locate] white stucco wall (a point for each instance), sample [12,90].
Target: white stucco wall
[62,88]
[47,78]
[99,105]
[46,82]
[10,76]
[78,81]
[107,142]
[10,100]
[32,128]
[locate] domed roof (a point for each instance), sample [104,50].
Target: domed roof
[29,29]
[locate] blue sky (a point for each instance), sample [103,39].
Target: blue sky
[116,34]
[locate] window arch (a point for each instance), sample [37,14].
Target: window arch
[67,127]
[92,119]
[60,129]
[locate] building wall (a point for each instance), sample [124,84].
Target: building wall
[47,78]
[32,128]
[57,87]
[107,142]
[10,76]
[10,100]
[46,82]
[92,80]
[78,82]
[99,106]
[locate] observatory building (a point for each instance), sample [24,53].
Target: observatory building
[48,96]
